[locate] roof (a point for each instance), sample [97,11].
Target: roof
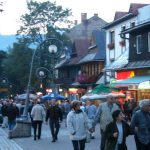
[138,64]
[119,14]
[101,48]
[139,26]
[120,62]
[133,11]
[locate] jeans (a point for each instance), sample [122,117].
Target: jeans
[79,145]
[11,124]
[37,124]
[103,140]
[54,126]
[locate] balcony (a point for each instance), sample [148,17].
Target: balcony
[85,79]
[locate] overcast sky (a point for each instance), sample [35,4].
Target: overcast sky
[13,9]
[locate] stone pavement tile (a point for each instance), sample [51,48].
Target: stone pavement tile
[7,144]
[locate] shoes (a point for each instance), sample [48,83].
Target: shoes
[34,138]
[39,138]
[53,140]
[56,138]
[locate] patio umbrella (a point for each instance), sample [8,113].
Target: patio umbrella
[53,96]
[24,96]
[101,96]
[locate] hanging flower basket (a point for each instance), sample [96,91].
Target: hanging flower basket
[111,46]
[122,43]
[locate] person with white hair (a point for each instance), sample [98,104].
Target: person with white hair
[104,116]
[140,125]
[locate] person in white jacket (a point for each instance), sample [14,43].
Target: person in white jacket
[77,124]
[38,115]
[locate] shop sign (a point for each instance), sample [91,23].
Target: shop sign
[125,75]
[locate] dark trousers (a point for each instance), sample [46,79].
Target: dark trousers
[141,146]
[37,124]
[103,140]
[79,145]
[54,126]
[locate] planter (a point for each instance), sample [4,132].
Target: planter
[111,46]
[122,43]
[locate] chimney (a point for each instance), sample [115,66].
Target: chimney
[96,15]
[75,22]
[83,17]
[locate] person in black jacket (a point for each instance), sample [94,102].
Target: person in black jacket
[116,132]
[54,115]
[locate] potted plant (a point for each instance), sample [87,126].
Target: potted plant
[111,46]
[122,43]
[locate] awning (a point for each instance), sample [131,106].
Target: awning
[100,89]
[131,82]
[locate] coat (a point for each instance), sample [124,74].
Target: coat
[111,141]
[77,124]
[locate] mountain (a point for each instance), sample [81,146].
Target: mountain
[7,41]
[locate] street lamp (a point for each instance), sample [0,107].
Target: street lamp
[55,53]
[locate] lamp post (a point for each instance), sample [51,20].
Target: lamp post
[55,53]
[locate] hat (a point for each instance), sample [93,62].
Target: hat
[144,102]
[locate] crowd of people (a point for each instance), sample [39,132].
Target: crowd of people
[116,122]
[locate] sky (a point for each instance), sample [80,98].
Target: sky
[13,9]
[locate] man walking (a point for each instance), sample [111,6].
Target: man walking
[54,114]
[140,125]
[104,115]
[38,115]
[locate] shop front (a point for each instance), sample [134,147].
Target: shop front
[137,87]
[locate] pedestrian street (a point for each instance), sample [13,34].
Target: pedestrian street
[45,143]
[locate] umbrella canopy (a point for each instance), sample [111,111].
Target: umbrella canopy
[53,96]
[24,96]
[94,96]
[101,88]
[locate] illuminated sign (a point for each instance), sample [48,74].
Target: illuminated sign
[125,75]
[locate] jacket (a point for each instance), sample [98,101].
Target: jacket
[53,112]
[38,113]
[141,120]
[112,141]
[77,125]
[104,114]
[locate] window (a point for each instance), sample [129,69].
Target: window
[123,29]
[132,24]
[112,37]
[138,44]
[148,41]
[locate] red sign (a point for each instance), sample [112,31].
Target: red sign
[125,75]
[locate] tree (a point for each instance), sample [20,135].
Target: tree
[17,64]
[3,56]
[42,20]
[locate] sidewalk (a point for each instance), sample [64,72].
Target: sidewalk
[45,142]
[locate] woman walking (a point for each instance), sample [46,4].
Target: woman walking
[116,132]
[77,124]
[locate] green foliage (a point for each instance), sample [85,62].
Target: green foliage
[41,18]
[17,65]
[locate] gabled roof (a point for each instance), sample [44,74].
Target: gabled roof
[133,11]
[135,6]
[119,14]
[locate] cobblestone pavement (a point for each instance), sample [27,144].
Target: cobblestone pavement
[63,142]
